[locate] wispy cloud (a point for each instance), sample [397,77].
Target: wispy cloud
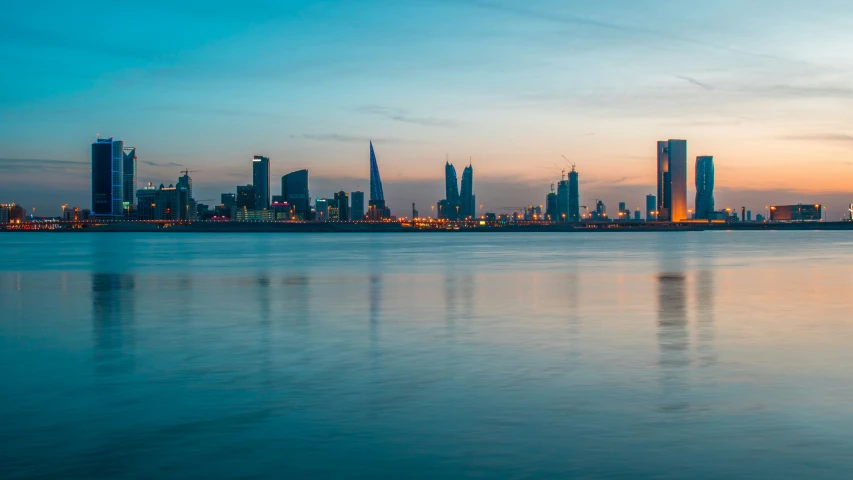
[41,165]
[155,164]
[342,138]
[695,82]
[400,115]
[821,137]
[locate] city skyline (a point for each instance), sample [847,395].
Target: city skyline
[764,98]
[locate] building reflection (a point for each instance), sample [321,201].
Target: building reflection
[112,322]
[375,296]
[673,336]
[704,295]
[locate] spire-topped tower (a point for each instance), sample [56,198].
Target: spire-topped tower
[375,182]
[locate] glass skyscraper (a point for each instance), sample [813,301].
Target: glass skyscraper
[357,206]
[129,175]
[451,192]
[467,209]
[672,180]
[704,187]
[261,181]
[108,177]
[574,214]
[294,190]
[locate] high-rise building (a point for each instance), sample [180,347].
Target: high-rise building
[467,208]
[672,180]
[451,192]
[376,207]
[357,206]
[704,206]
[563,201]
[651,207]
[342,201]
[376,192]
[294,190]
[551,207]
[185,183]
[574,214]
[245,197]
[129,175]
[261,181]
[108,177]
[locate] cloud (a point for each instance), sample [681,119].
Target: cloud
[821,137]
[399,115]
[343,138]
[693,81]
[155,164]
[41,165]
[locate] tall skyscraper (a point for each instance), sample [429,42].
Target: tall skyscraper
[574,214]
[451,192]
[294,190]
[704,206]
[342,200]
[129,175]
[376,192]
[563,201]
[261,181]
[551,206]
[108,177]
[672,180]
[467,207]
[357,205]
[377,209]
[651,207]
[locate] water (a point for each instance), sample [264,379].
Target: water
[448,355]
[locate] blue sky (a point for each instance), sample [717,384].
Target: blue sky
[764,86]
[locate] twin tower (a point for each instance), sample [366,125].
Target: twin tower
[456,205]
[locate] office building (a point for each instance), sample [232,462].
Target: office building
[245,199]
[11,213]
[108,177]
[294,190]
[376,207]
[704,206]
[551,207]
[468,208]
[164,203]
[129,174]
[186,183]
[638,215]
[342,202]
[357,206]
[672,180]
[451,193]
[563,201]
[574,196]
[321,207]
[261,181]
[795,213]
[651,207]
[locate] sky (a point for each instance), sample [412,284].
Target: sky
[765,86]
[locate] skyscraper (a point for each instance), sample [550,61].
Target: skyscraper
[342,200]
[377,209]
[129,175]
[261,181]
[651,207]
[108,177]
[672,180]
[451,192]
[357,205]
[467,207]
[245,197]
[294,190]
[551,206]
[574,214]
[563,201]
[704,187]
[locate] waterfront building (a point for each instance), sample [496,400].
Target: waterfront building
[795,213]
[342,203]
[551,207]
[651,207]
[282,211]
[245,199]
[672,180]
[574,195]
[321,207]
[294,190]
[129,175]
[600,213]
[638,215]
[261,181]
[467,200]
[108,177]
[12,213]
[451,193]
[376,192]
[357,205]
[563,201]
[165,203]
[186,183]
[704,205]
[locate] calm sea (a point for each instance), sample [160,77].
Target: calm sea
[444,355]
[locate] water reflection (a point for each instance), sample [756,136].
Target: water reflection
[112,322]
[673,335]
[704,293]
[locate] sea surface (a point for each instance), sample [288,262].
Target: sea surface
[425,356]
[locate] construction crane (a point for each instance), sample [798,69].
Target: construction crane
[187,172]
[570,162]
